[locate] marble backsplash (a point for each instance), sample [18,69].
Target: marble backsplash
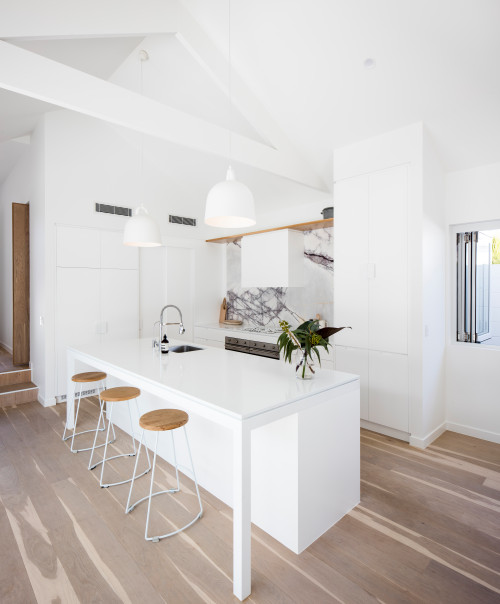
[266,306]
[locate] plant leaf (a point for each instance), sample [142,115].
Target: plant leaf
[326,332]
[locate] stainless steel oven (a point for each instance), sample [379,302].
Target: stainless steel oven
[247,346]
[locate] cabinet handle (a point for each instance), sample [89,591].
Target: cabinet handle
[371,270]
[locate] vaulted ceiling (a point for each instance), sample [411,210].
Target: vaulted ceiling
[300,85]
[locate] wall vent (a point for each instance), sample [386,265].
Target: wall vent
[107,209]
[62,397]
[182,220]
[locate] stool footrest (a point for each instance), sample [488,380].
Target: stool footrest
[110,458]
[96,447]
[113,484]
[82,432]
[158,537]
[147,497]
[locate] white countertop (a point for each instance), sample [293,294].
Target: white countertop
[240,328]
[240,385]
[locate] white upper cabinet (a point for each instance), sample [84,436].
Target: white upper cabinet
[371,260]
[371,290]
[116,255]
[274,259]
[78,247]
[351,259]
[388,260]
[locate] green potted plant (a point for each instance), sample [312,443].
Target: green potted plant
[302,342]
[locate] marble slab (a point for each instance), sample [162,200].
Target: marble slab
[266,306]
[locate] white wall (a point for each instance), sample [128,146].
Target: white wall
[26,183]
[472,375]
[495,304]
[433,293]
[87,161]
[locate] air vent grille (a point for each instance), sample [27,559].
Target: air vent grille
[182,220]
[107,209]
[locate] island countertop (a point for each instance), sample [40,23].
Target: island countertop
[302,431]
[238,384]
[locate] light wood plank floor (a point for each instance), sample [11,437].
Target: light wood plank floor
[427,529]
[6,362]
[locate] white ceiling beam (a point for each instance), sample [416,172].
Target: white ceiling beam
[89,19]
[22,140]
[32,75]
[216,65]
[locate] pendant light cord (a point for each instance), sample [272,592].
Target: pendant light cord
[230,84]
[141,164]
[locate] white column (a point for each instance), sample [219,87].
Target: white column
[241,512]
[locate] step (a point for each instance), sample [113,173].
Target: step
[15,394]
[18,376]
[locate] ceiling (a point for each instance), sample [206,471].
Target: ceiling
[300,64]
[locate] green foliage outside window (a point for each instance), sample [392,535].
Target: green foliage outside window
[495,250]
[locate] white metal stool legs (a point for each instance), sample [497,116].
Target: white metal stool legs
[75,433]
[106,458]
[129,507]
[95,446]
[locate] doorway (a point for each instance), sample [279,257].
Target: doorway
[20,283]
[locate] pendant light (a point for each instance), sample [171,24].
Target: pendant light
[230,203]
[141,230]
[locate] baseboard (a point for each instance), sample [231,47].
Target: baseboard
[7,347]
[422,443]
[385,430]
[46,402]
[493,437]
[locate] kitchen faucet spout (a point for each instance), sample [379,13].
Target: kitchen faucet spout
[182,329]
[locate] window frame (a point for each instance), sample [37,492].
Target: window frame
[455,230]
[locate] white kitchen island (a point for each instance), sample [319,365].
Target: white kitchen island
[306,433]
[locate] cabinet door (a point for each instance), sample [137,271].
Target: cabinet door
[77,314]
[116,255]
[355,360]
[180,288]
[351,258]
[120,303]
[388,377]
[153,289]
[78,247]
[388,314]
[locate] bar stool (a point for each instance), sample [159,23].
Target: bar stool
[89,377]
[162,420]
[111,396]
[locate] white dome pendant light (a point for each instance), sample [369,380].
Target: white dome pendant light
[230,203]
[141,230]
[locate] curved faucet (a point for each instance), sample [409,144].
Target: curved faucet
[182,329]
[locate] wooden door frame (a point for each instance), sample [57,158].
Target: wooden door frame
[20,284]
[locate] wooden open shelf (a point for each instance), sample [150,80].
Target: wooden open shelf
[303,226]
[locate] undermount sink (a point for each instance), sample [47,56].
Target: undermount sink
[183,348]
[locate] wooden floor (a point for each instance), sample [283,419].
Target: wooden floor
[427,529]
[6,362]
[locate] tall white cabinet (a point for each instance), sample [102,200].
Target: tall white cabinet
[371,290]
[97,291]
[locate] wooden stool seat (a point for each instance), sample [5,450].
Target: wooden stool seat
[89,376]
[161,420]
[98,378]
[121,393]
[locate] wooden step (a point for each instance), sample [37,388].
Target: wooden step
[20,376]
[15,394]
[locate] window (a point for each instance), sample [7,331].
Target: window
[478,287]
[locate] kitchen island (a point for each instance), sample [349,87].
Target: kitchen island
[310,427]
